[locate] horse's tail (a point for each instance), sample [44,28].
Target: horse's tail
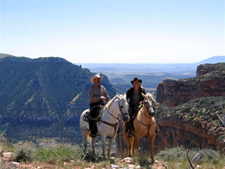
[89,138]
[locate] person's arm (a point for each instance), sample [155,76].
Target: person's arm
[144,91]
[105,93]
[128,95]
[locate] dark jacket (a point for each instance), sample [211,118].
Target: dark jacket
[130,93]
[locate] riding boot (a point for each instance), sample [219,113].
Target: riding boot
[157,129]
[129,128]
[94,112]
[93,128]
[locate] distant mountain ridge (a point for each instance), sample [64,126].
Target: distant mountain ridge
[150,67]
[151,73]
[214,59]
[38,95]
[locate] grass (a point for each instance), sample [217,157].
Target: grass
[60,154]
[177,158]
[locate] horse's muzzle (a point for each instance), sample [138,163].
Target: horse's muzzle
[152,114]
[126,118]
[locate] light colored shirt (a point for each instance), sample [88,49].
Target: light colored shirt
[95,93]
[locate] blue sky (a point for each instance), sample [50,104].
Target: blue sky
[114,31]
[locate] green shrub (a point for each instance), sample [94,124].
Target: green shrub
[172,154]
[211,155]
[23,154]
[210,158]
[59,154]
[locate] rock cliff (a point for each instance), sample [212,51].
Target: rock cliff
[193,125]
[210,81]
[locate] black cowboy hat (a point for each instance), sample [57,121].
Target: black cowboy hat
[135,79]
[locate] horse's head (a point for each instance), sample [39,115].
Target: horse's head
[123,106]
[149,103]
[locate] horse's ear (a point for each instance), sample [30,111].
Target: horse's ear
[153,93]
[143,94]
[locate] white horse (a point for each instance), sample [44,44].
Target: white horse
[108,123]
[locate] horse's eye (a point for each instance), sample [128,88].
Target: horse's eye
[121,107]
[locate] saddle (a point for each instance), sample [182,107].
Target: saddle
[130,125]
[92,117]
[88,114]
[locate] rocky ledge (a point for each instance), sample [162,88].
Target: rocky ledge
[193,125]
[210,81]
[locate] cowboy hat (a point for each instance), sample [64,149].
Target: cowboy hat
[135,79]
[95,77]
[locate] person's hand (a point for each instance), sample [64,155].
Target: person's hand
[103,97]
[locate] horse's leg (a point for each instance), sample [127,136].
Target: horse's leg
[131,146]
[110,145]
[152,139]
[127,139]
[93,144]
[84,133]
[85,142]
[103,145]
[128,145]
[136,143]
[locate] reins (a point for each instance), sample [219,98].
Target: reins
[119,108]
[100,114]
[108,108]
[147,125]
[115,124]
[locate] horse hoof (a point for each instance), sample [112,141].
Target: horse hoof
[153,161]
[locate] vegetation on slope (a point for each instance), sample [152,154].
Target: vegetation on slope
[43,97]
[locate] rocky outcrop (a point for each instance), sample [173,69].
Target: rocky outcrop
[208,68]
[194,124]
[210,81]
[190,134]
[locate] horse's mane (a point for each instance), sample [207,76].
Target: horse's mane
[151,97]
[114,98]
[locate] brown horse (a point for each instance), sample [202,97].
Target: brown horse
[144,126]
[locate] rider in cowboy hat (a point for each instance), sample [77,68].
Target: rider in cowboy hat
[134,97]
[97,96]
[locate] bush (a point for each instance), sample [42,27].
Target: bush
[23,154]
[210,158]
[172,154]
[59,154]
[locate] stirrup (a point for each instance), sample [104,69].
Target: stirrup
[157,129]
[93,135]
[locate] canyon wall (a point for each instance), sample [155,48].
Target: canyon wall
[210,81]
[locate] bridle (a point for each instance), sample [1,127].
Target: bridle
[115,125]
[120,108]
[148,106]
